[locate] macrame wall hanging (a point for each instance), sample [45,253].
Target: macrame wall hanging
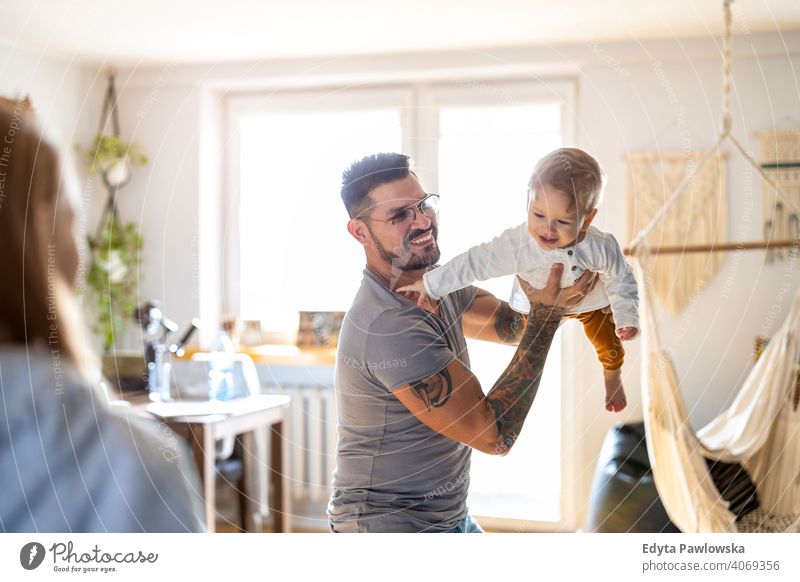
[779,153]
[699,217]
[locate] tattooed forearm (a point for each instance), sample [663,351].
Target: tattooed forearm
[509,324]
[434,391]
[511,397]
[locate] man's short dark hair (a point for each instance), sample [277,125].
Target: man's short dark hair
[363,176]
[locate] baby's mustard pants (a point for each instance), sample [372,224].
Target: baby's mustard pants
[600,329]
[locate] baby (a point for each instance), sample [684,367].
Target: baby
[563,194]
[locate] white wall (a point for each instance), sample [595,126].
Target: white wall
[163,196]
[624,105]
[59,89]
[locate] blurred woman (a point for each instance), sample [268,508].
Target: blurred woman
[67,463]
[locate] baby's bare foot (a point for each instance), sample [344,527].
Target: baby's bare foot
[615,393]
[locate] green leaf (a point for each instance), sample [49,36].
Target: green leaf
[115,292]
[108,149]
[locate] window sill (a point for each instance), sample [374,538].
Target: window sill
[280,355]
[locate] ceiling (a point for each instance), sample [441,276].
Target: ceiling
[158,31]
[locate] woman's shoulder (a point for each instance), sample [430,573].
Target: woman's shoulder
[118,472]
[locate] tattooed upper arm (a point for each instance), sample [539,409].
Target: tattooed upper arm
[451,403]
[434,391]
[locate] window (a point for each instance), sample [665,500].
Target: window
[291,167]
[476,145]
[486,155]
[287,157]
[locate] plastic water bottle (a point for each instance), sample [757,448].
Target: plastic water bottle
[158,376]
[220,373]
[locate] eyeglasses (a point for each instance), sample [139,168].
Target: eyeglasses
[429,206]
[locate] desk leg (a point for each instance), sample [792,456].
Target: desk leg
[205,452]
[279,503]
[246,445]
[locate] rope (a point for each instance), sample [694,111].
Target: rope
[727,123]
[110,107]
[727,119]
[109,113]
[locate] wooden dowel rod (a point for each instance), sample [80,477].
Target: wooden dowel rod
[656,157]
[713,248]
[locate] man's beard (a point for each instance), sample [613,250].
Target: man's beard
[409,261]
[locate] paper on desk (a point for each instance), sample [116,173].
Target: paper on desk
[191,408]
[206,407]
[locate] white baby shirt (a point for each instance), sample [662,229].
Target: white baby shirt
[515,251]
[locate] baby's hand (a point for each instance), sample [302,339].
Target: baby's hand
[418,288]
[627,333]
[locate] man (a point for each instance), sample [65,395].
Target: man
[410,409]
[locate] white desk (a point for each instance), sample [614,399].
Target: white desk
[203,423]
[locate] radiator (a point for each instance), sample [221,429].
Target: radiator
[311,439]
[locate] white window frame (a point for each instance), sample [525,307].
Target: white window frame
[484,92]
[324,100]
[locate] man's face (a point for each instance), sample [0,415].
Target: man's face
[408,244]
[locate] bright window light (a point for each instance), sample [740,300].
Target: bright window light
[486,156]
[296,253]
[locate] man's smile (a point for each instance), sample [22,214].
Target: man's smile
[424,239]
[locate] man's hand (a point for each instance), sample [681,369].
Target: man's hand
[554,296]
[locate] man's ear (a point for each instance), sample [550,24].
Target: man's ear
[358,230]
[587,220]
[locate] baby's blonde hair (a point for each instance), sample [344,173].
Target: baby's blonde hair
[574,172]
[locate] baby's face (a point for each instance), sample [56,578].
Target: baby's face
[553,220]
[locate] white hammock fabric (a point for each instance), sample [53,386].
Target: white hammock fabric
[761,430]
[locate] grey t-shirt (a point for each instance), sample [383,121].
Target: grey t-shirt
[393,473]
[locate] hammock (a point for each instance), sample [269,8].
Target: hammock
[761,428]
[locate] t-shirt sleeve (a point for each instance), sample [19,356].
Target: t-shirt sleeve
[463,298]
[405,346]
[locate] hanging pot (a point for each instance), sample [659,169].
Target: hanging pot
[118,173]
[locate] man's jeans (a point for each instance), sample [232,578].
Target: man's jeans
[467,525]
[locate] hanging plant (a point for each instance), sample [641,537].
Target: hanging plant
[115,251]
[113,277]
[113,159]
